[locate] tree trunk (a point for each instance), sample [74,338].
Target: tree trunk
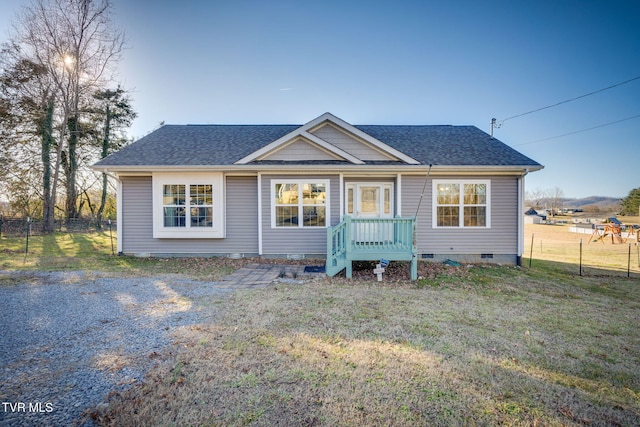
[46,142]
[56,171]
[105,151]
[72,168]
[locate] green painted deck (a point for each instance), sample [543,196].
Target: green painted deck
[370,239]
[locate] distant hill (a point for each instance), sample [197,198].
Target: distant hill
[594,204]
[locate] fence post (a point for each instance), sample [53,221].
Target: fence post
[26,250]
[581,257]
[629,263]
[111,235]
[531,253]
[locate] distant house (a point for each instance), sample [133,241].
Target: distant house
[533,217]
[281,190]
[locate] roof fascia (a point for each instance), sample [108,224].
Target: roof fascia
[321,143]
[369,169]
[364,136]
[360,140]
[274,145]
[305,140]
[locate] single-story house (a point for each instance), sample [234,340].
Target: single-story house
[284,190]
[531,216]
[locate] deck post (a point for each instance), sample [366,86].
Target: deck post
[349,247]
[414,249]
[414,266]
[330,256]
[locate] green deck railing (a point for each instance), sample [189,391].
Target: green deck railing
[369,239]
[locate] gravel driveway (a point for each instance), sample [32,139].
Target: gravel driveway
[68,338]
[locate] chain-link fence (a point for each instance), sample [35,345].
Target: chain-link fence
[17,227]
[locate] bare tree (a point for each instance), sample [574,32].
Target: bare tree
[555,200]
[76,42]
[535,198]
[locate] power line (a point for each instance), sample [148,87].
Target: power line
[568,100]
[579,131]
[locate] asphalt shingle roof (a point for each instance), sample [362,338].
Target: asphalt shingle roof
[449,145]
[209,145]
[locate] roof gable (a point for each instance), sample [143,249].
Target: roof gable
[301,148]
[284,141]
[356,140]
[350,143]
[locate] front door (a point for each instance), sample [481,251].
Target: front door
[370,200]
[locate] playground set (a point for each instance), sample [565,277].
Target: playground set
[614,229]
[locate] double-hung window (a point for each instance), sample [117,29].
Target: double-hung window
[188,205]
[299,203]
[461,203]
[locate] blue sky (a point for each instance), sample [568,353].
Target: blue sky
[400,62]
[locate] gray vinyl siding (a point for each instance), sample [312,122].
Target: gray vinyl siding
[136,221]
[242,225]
[294,240]
[350,144]
[241,212]
[500,239]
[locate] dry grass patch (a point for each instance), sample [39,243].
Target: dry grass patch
[556,243]
[479,346]
[112,361]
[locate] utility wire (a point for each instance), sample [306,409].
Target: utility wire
[424,187]
[579,131]
[568,100]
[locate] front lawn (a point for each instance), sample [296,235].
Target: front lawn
[475,346]
[95,251]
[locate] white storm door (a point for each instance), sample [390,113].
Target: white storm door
[370,200]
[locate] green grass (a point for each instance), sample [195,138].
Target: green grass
[93,252]
[58,251]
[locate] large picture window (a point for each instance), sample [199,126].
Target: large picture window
[198,212]
[299,203]
[188,205]
[460,203]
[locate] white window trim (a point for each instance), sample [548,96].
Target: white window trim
[300,182]
[216,180]
[460,182]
